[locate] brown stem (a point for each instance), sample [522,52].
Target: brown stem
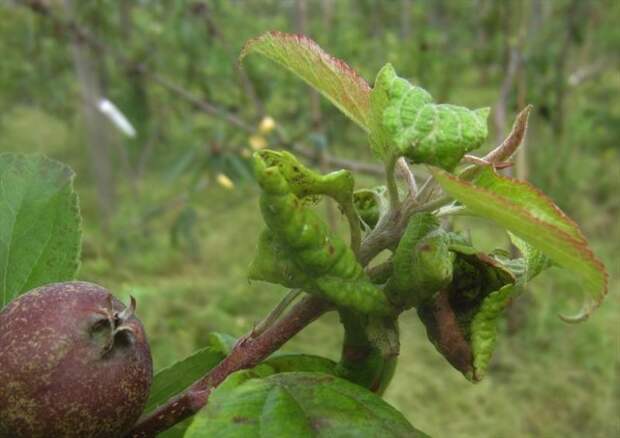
[247,353]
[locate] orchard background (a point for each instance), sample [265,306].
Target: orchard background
[170,211]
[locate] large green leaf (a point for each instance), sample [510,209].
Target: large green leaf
[423,131]
[39,224]
[532,216]
[333,78]
[297,405]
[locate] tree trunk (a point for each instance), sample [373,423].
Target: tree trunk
[405,19]
[97,131]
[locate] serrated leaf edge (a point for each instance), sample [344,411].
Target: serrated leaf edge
[578,241]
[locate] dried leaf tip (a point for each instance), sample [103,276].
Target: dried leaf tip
[514,139]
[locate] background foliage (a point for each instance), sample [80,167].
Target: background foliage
[171,214]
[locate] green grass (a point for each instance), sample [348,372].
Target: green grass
[547,378]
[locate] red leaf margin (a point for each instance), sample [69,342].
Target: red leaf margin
[575,239]
[354,101]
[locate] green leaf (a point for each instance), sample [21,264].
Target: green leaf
[422,262]
[529,214]
[179,376]
[426,132]
[178,430]
[370,350]
[534,261]
[286,362]
[380,140]
[297,405]
[370,204]
[221,342]
[484,328]
[333,78]
[39,224]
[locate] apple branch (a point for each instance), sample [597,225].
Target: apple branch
[247,353]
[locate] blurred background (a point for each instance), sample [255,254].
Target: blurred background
[145,101]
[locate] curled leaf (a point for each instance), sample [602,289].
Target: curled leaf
[370,205]
[328,264]
[273,264]
[484,328]
[370,350]
[422,262]
[534,261]
[306,182]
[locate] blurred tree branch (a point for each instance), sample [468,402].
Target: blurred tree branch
[82,35]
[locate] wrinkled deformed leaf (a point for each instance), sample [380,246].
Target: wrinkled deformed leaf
[333,78]
[461,320]
[297,405]
[530,215]
[306,182]
[354,293]
[422,262]
[329,263]
[39,224]
[426,132]
[273,264]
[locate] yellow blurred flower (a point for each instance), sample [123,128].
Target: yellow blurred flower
[245,153]
[225,182]
[257,142]
[266,125]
